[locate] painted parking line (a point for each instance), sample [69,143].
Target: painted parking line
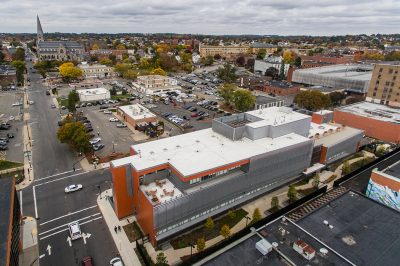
[66,229]
[50,176]
[55,219]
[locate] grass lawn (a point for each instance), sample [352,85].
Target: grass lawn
[132,231]
[191,237]
[8,165]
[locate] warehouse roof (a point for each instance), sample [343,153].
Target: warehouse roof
[373,111]
[347,71]
[136,111]
[94,91]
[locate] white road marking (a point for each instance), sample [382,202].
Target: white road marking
[58,227]
[50,176]
[66,229]
[52,220]
[34,201]
[61,178]
[48,249]
[20,202]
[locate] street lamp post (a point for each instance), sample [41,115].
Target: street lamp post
[40,257]
[191,247]
[247,219]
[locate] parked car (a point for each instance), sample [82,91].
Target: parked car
[16,104]
[121,125]
[97,147]
[73,188]
[53,105]
[94,141]
[31,102]
[3,147]
[116,262]
[103,107]
[113,119]
[10,135]
[2,139]
[87,261]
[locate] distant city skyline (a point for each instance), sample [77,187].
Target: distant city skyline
[217,17]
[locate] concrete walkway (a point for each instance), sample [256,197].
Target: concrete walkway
[30,247]
[125,248]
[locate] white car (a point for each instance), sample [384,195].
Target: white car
[72,188]
[31,102]
[94,141]
[16,104]
[113,119]
[107,112]
[11,118]
[121,125]
[116,262]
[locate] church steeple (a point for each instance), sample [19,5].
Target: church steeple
[39,36]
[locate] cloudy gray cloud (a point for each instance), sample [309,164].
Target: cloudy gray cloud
[284,17]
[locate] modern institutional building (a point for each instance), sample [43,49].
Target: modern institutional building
[354,78]
[384,87]
[135,114]
[378,121]
[92,95]
[174,183]
[384,186]
[152,84]
[227,51]
[57,50]
[10,214]
[261,66]
[96,71]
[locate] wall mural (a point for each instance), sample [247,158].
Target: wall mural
[383,194]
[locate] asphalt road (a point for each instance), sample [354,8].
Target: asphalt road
[46,200]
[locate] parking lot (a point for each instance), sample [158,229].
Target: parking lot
[12,115]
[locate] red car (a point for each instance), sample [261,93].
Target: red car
[87,261]
[194,114]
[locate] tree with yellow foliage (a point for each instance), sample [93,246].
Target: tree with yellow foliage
[289,57]
[158,71]
[95,47]
[69,71]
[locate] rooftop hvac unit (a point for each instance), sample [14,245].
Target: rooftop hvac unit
[264,247]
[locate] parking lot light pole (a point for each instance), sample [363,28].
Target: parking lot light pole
[247,219]
[191,249]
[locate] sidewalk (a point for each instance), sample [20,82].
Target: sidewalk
[125,248]
[30,247]
[86,166]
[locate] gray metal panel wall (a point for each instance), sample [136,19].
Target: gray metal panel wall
[343,149]
[301,127]
[264,169]
[128,180]
[155,176]
[222,129]
[257,133]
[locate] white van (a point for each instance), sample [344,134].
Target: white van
[74,230]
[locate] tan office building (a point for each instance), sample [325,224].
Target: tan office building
[384,87]
[224,51]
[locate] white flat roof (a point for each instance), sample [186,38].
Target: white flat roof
[202,150]
[93,91]
[347,71]
[336,137]
[275,116]
[321,128]
[374,111]
[136,111]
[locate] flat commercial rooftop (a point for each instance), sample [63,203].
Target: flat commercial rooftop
[336,137]
[347,71]
[393,170]
[363,230]
[136,111]
[373,111]
[276,116]
[94,91]
[202,150]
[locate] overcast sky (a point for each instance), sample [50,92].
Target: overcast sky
[282,17]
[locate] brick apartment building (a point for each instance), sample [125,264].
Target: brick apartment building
[384,87]
[320,60]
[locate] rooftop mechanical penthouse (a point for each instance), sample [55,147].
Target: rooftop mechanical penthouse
[171,184]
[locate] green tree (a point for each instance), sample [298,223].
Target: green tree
[161,259]
[209,224]
[275,202]
[312,100]
[231,214]
[227,73]
[74,134]
[73,99]
[20,69]
[336,97]
[316,180]
[208,61]
[19,54]
[106,61]
[241,61]
[297,61]
[292,193]
[243,99]
[261,54]
[201,244]
[130,74]
[256,215]
[70,72]
[225,231]
[227,92]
